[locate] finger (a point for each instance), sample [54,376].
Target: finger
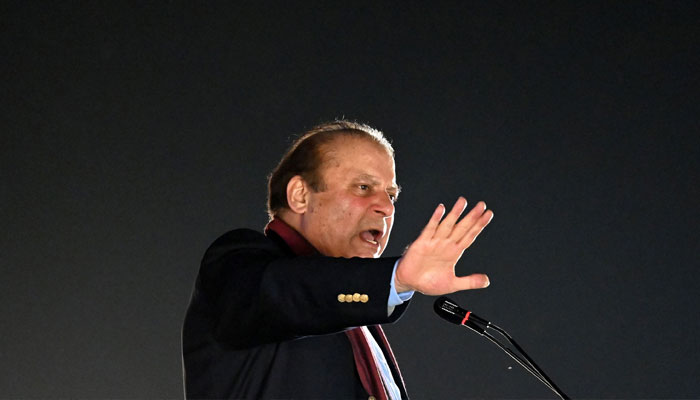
[475,230]
[473,281]
[468,222]
[429,229]
[448,223]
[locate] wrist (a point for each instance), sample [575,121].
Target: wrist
[398,285]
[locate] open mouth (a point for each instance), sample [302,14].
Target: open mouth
[371,236]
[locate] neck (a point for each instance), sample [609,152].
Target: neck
[290,218]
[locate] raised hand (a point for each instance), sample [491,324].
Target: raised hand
[428,266]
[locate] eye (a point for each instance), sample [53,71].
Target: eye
[392,197]
[363,187]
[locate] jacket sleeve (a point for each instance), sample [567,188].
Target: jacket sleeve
[258,294]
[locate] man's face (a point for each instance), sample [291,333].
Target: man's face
[353,214]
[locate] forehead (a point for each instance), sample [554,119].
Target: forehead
[355,152]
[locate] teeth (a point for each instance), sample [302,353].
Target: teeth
[367,236]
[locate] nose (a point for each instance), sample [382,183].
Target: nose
[383,205]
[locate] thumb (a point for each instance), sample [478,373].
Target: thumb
[473,281]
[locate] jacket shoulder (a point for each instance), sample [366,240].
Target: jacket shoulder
[240,240]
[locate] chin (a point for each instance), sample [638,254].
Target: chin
[372,254]
[363,254]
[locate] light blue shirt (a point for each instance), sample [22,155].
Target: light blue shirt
[395,298]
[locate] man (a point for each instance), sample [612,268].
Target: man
[294,312]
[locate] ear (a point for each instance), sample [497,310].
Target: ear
[297,194]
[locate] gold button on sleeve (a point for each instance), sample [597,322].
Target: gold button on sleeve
[348,298]
[341,298]
[364,298]
[356,297]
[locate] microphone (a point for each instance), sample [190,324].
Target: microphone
[450,311]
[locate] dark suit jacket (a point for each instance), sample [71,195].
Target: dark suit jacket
[264,323]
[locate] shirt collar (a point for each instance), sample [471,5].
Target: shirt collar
[299,245]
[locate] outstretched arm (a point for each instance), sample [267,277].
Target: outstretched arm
[428,266]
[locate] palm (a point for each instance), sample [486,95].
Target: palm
[428,265]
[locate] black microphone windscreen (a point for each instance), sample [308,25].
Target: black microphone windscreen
[449,310]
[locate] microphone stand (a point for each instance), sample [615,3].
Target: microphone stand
[451,312]
[528,363]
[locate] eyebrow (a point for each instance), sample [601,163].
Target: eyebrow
[374,180]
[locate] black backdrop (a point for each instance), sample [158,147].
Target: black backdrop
[134,134]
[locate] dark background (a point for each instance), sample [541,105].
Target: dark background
[133,135]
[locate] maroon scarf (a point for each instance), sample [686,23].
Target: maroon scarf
[366,367]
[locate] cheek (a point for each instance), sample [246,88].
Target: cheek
[342,211]
[331,217]
[339,216]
